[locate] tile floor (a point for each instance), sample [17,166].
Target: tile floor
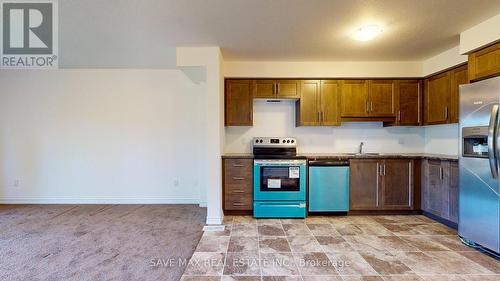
[337,248]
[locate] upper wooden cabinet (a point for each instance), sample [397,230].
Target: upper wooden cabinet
[441,96]
[381,98]
[354,98]
[363,98]
[238,103]
[381,184]
[437,99]
[318,104]
[408,102]
[276,89]
[484,63]
[458,77]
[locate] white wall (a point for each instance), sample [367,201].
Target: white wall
[442,61]
[442,139]
[279,120]
[319,69]
[480,35]
[95,136]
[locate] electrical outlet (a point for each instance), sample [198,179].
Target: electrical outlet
[176,182]
[15,183]
[401,140]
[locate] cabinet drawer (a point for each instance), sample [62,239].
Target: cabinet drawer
[243,188]
[243,202]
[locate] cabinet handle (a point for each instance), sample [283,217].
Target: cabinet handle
[277,88]
[445,112]
[384,169]
[418,104]
[237,204]
[367,107]
[238,178]
[238,165]
[371,106]
[399,115]
[274,88]
[441,176]
[238,191]
[317,116]
[410,176]
[380,173]
[322,117]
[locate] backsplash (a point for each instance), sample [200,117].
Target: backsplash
[278,119]
[442,139]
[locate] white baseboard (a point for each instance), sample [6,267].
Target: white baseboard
[99,201]
[214,220]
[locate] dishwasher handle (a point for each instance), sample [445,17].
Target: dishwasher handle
[329,163]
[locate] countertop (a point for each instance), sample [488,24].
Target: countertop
[313,156]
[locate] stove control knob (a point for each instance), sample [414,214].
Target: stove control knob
[288,141]
[284,141]
[293,141]
[256,141]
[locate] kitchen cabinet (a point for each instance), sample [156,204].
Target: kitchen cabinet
[276,89]
[364,184]
[484,63]
[238,109]
[381,98]
[397,184]
[318,104]
[440,189]
[367,98]
[408,103]
[458,77]
[354,98]
[237,184]
[381,184]
[441,96]
[437,99]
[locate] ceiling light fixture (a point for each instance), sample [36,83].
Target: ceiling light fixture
[367,33]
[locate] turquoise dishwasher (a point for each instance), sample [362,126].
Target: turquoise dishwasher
[328,186]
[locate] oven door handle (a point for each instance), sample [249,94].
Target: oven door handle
[280,163]
[301,205]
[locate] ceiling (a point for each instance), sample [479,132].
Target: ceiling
[94,32]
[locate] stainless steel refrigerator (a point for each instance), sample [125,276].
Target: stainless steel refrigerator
[479,161]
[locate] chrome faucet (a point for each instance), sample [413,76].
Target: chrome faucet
[361,148]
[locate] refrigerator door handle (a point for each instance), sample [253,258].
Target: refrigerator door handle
[492,136]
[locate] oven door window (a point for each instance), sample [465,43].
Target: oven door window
[279,178]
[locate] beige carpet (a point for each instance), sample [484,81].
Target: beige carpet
[97,242]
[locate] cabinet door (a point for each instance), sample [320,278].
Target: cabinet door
[264,89]
[437,99]
[484,63]
[354,98]
[238,103]
[308,106]
[410,105]
[453,192]
[364,184]
[434,188]
[458,77]
[381,98]
[397,187]
[329,103]
[288,89]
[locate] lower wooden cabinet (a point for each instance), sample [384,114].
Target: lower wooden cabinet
[381,184]
[237,184]
[440,189]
